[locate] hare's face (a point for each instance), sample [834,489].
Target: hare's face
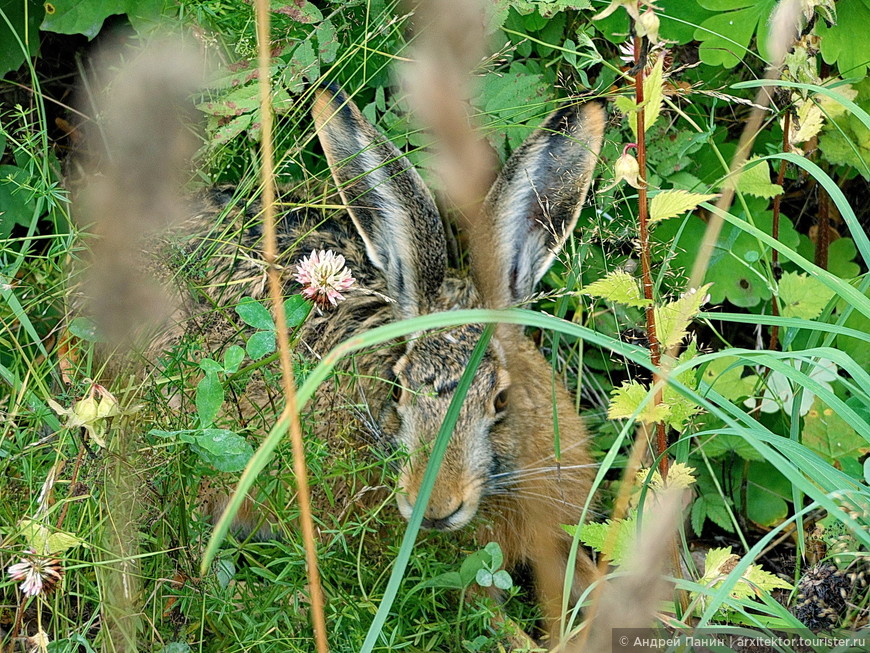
[426,378]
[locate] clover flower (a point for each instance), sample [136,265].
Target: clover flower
[39,574]
[324,276]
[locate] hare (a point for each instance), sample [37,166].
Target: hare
[499,462]
[499,469]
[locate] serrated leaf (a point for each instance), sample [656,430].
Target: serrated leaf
[303,66]
[807,124]
[254,314]
[673,318]
[327,43]
[224,450]
[241,100]
[618,286]
[832,437]
[653,94]
[209,398]
[838,42]
[680,477]
[228,131]
[671,203]
[299,10]
[615,535]
[261,343]
[755,180]
[625,401]
[802,296]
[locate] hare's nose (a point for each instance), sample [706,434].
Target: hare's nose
[442,517]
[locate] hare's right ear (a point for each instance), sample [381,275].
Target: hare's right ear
[533,206]
[391,207]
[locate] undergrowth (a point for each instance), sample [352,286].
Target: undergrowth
[766,402]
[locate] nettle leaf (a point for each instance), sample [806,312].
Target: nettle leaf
[612,539]
[228,131]
[224,450]
[754,581]
[618,286]
[209,398]
[653,94]
[802,296]
[626,400]
[327,43]
[832,437]
[755,180]
[299,10]
[680,477]
[242,100]
[303,66]
[673,318]
[254,314]
[725,36]
[671,203]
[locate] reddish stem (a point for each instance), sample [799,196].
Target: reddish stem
[646,267]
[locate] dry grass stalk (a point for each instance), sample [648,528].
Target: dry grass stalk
[290,412]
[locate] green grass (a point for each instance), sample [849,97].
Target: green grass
[379,574]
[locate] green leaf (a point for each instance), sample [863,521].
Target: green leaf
[673,318]
[210,365]
[483,578]
[719,563]
[299,10]
[17,12]
[495,555]
[17,204]
[618,286]
[228,131]
[502,580]
[296,309]
[233,358]
[802,296]
[303,66]
[473,563]
[81,16]
[725,376]
[671,203]
[448,580]
[254,314]
[224,450]
[653,94]
[625,401]
[619,535]
[260,344]
[767,492]
[61,542]
[84,329]
[327,42]
[209,398]
[838,41]
[242,100]
[725,36]
[832,437]
[755,180]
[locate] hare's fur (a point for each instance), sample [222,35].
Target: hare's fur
[499,466]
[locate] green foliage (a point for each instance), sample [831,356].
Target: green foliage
[725,36]
[754,581]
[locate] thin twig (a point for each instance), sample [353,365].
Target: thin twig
[290,413]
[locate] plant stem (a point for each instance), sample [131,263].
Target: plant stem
[780,178]
[290,413]
[642,216]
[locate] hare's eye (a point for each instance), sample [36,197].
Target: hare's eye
[501,401]
[397,392]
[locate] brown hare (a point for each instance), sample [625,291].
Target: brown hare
[499,470]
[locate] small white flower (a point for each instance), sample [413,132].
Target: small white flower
[39,574]
[324,277]
[780,393]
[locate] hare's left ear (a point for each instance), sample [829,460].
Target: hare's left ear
[534,204]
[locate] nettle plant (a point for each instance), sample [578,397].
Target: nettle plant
[763,435]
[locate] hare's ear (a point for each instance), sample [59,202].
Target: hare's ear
[534,203]
[391,208]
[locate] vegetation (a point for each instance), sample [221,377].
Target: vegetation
[743,353]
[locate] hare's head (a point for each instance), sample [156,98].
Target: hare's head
[530,212]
